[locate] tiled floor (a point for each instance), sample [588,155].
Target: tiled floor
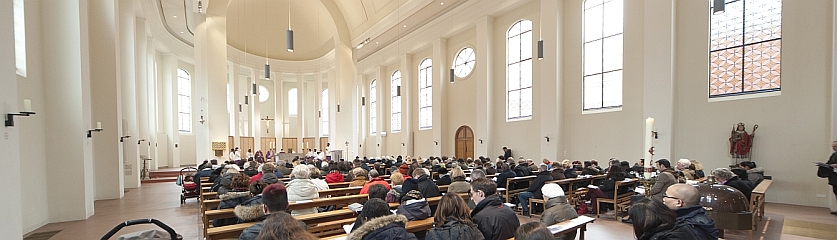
[161,201]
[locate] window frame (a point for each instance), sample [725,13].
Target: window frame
[324,114]
[425,75]
[373,107]
[184,94]
[293,98]
[520,63]
[395,109]
[601,74]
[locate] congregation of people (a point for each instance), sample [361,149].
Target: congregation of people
[252,186]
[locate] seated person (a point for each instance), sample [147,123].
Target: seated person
[557,208]
[452,221]
[606,190]
[414,206]
[533,231]
[459,185]
[238,194]
[534,189]
[755,174]
[374,179]
[557,171]
[252,209]
[742,175]
[444,178]
[275,200]
[358,176]
[301,188]
[316,178]
[421,182]
[375,191]
[684,199]
[380,224]
[494,219]
[504,175]
[653,220]
[726,177]
[683,166]
[394,194]
[282,225]
[334,175]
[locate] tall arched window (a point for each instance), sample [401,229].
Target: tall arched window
[324,114]
[519,71]
[425,94]
[745,48]
[373,108]
[20,37]
[602,54]
[184,100]
[395,104]
[292,102]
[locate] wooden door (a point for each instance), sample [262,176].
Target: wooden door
[308,143]
[230,144]
[289,145]
[247,143]
[267,143]
[323,144]
[464,142]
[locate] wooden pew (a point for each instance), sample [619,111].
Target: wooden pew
[619,201]
[570,226]
[412,226]
[572,194]
[511,191]
[757,201]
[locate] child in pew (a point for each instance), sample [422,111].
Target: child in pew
[238,194]
[380,224]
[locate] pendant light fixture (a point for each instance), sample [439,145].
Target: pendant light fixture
[289,35]
[451,74]
[266,50]
[718,7]
[540,39]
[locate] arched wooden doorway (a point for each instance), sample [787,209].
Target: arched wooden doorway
[464,142]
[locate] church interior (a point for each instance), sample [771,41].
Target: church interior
[99,94]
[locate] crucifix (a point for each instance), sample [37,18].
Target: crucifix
[267,119]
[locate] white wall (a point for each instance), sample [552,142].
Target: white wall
[12,141]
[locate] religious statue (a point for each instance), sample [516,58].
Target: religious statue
[741,142]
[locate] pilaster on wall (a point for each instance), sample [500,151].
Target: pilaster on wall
[440,82]
[141,49]
[237,105]
[105,100]
[482,74]
[151,132]
[658,83]
[10,143]
[382,91]
[279,103]
[832,202]
[127,68]
[211,66]
[300,111]
[550,82]
[407,121]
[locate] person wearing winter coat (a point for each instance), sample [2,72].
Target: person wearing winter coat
[421,182]
[494,219]
[301,188]
[606,190]
[452,221]
[334,175]
[252,209]
[652,220]
[459,185]
[534,189]
[557,208]
[268,175]
[557,171]
[414,206]
[684,199]
[504,175]
[238,194]
[755,174]
[665,179]
[358,176]
[315,178]
[374,179]
[283,168]
[726,177]
[380,224]
[444,178]
[223,185]
[394,194]
[274,200]
[683,166]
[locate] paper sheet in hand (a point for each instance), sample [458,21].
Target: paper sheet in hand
[821,164]
[592,186]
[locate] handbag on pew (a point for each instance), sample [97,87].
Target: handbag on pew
[581,208]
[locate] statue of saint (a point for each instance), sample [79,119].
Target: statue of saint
[741,142]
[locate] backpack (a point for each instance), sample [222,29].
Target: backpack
[581,208]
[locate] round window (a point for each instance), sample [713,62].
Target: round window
[263,94]
[464,62]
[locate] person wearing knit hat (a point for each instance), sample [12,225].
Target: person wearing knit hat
[444,178]
[414,206]
[557,208]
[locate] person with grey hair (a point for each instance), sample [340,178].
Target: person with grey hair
[477,173]
[374,178]
[421,181]
[534,189]
[280,165]
[316,178]
[726,177]
[301,189]
[683,167]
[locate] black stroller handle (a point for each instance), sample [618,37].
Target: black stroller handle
[141,221]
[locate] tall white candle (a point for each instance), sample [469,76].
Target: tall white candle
[98,125]
[649,142]
[27,105]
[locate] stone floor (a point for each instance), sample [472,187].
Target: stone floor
[161,201]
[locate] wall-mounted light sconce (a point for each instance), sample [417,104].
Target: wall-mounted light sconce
[27,110]
[436,142]
[718,7]
[480,141]
[547,138]
[363,101]
[127,135]
[202,121]
[240,108]
[402,144]
[200,6]
[360,145]
[654,133]
[266,72]
[319,113]
[140,141]
[398,91]
[451,74]
[338,107]
[379,145]
[246,99]
[97,129]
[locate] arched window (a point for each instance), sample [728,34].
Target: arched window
[602,54]
[519,71]
[745,48]
[425,94]
[395,104]
[324,114]
[373,108]
[292,102]
[20,37]
[184,100]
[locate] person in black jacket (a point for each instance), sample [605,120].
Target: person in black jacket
[534,189]
[832,176]
[444,178]
[653,220]
[452,221]
[726,177]
[507,153]
[605,190]
[504,175]
[421,182]
[494,219]
[380,224]
[684,199]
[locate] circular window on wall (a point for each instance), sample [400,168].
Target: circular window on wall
[463,64]
[263,94]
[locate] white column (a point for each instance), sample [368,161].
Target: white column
[256,116]
[105,96]
[174,144]
[153,100]
[211,66]
[300,111]
[332,108]
[10,142]
[440,82]
[658,84]
[407,96]
[166,119]
[127,67]
[361,88]
[67,113]
[382,95]
[483,75]
[141,50]
[279,101]
[238,105]
[318,98]
[549,100]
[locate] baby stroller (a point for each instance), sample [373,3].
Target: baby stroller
[187,181]
[144,235]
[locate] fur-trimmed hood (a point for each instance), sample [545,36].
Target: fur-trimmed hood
[233,195]
[376,224]
[251,210]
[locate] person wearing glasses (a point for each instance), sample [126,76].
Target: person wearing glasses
[652,220]
[494,219]
[684,199]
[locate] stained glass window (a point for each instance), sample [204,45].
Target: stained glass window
[184,100]
[519,70]
[602,58]
[373,108]
[425,97]
[324,114]
[745,48]
[395,104]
